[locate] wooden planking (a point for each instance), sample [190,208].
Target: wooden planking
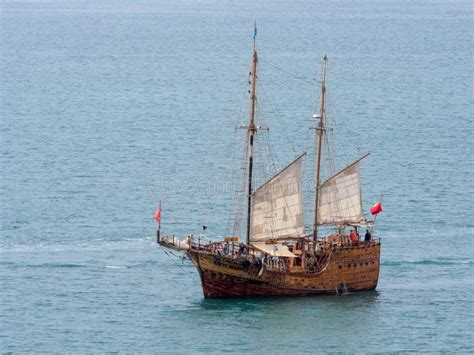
[355,269]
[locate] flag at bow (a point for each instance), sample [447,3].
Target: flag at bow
[157,216]
[377,208]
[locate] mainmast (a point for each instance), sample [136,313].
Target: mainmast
[251,133]
[320,131]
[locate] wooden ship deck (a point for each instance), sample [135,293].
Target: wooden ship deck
[340,267]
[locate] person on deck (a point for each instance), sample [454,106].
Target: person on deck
[354,237]
[367,236]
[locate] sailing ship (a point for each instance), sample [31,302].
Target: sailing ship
[279,257]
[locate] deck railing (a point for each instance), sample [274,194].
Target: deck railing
[239,251]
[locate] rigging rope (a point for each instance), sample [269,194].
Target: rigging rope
[187,273]
[289,73]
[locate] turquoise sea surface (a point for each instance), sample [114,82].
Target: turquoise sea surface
[108,107]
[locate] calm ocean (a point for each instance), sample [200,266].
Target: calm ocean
[108,107]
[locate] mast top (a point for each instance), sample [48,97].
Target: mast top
[325,69]
[254,34]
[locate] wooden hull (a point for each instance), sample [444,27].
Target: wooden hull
[348,269]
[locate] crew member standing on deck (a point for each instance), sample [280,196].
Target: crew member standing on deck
[367,236]
[354,237]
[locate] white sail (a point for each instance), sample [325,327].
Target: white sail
[340,198]
[277,205]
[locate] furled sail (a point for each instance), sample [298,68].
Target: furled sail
[340,197]
[277,205]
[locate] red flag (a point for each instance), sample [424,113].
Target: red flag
[157,216]
[377,208]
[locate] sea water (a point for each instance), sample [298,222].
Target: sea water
[109,107]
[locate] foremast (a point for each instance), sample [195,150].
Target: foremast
[319,133]
[251,133]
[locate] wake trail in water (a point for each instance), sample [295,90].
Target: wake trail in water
[97,245]
[435,262]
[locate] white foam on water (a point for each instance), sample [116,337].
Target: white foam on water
[96,245]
